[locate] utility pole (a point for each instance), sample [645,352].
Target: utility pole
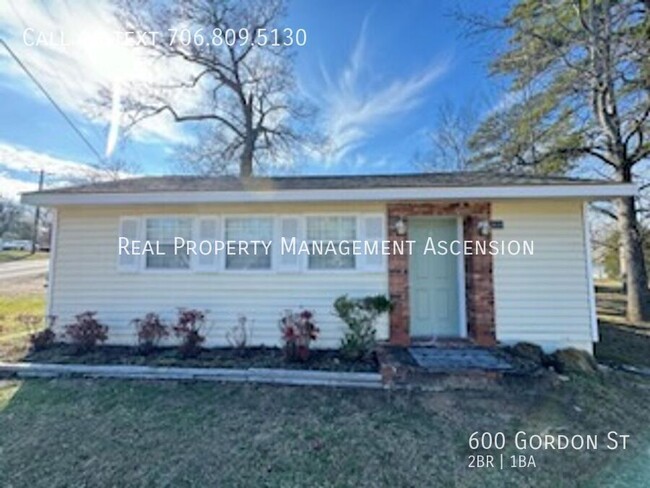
[37,214]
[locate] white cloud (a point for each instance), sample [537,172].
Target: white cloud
[352,107]
[92,58]
[11,188]
[21,159]
[19,167]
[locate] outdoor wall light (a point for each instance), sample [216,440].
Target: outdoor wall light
[483,227]
[400,227]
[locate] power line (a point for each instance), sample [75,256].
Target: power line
[56,105]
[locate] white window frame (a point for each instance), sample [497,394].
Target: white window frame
[196,230]
[143,237]
[303,259]
[223,256]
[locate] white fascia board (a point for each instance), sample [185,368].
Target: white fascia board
[587,192]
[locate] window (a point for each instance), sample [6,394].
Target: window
[334,229]
[163,231]
[250,252]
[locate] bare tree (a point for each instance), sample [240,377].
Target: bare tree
[449,140]
[249,111]
[10,213]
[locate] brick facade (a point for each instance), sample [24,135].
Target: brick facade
[479,289]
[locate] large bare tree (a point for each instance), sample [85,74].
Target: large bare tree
[580,97]
[249,112]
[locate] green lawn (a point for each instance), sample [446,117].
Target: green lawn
[620,341]
[56,433]
[14,331]
[10,256]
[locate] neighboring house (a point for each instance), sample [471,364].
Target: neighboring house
[545,298]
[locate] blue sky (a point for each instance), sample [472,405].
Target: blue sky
[376,69]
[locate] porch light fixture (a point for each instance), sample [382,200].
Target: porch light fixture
[400,227]
[483,227]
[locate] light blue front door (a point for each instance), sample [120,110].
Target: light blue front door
[433,280]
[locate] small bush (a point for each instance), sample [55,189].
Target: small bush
[360,315]
[150,330]
[571,360]
[239,335]
[188,327]
[298,331]
[86,331]
[44,338]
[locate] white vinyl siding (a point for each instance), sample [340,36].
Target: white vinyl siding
[87,278]
[543,298]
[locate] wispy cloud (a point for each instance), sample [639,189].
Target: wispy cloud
[353,107]
[16,158]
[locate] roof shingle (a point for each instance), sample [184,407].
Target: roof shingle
[343,182]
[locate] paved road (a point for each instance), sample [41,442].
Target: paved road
[22,269]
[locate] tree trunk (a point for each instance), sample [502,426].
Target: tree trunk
[246,163]
[638,296]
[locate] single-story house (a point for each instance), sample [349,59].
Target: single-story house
[543,296]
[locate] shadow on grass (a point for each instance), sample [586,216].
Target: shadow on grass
[621,344]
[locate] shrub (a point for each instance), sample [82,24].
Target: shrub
[360,315]
[239,335]
[86,331]
[44,338]
[298,331]
[150,330]
[188,328]
[571,360]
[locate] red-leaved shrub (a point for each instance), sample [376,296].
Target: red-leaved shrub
[150,331]
[44,338]
[86,331]
[188,328]
[298,331]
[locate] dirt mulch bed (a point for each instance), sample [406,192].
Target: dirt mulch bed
[252,357]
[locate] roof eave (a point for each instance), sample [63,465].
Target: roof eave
[587,192]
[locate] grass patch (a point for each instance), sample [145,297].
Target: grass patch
[14,335]
[11,256]
[620,340]
[59,433]
[100,433]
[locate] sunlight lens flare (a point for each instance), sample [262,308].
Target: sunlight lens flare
[116,112]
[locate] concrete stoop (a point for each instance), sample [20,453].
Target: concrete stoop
[398,370]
